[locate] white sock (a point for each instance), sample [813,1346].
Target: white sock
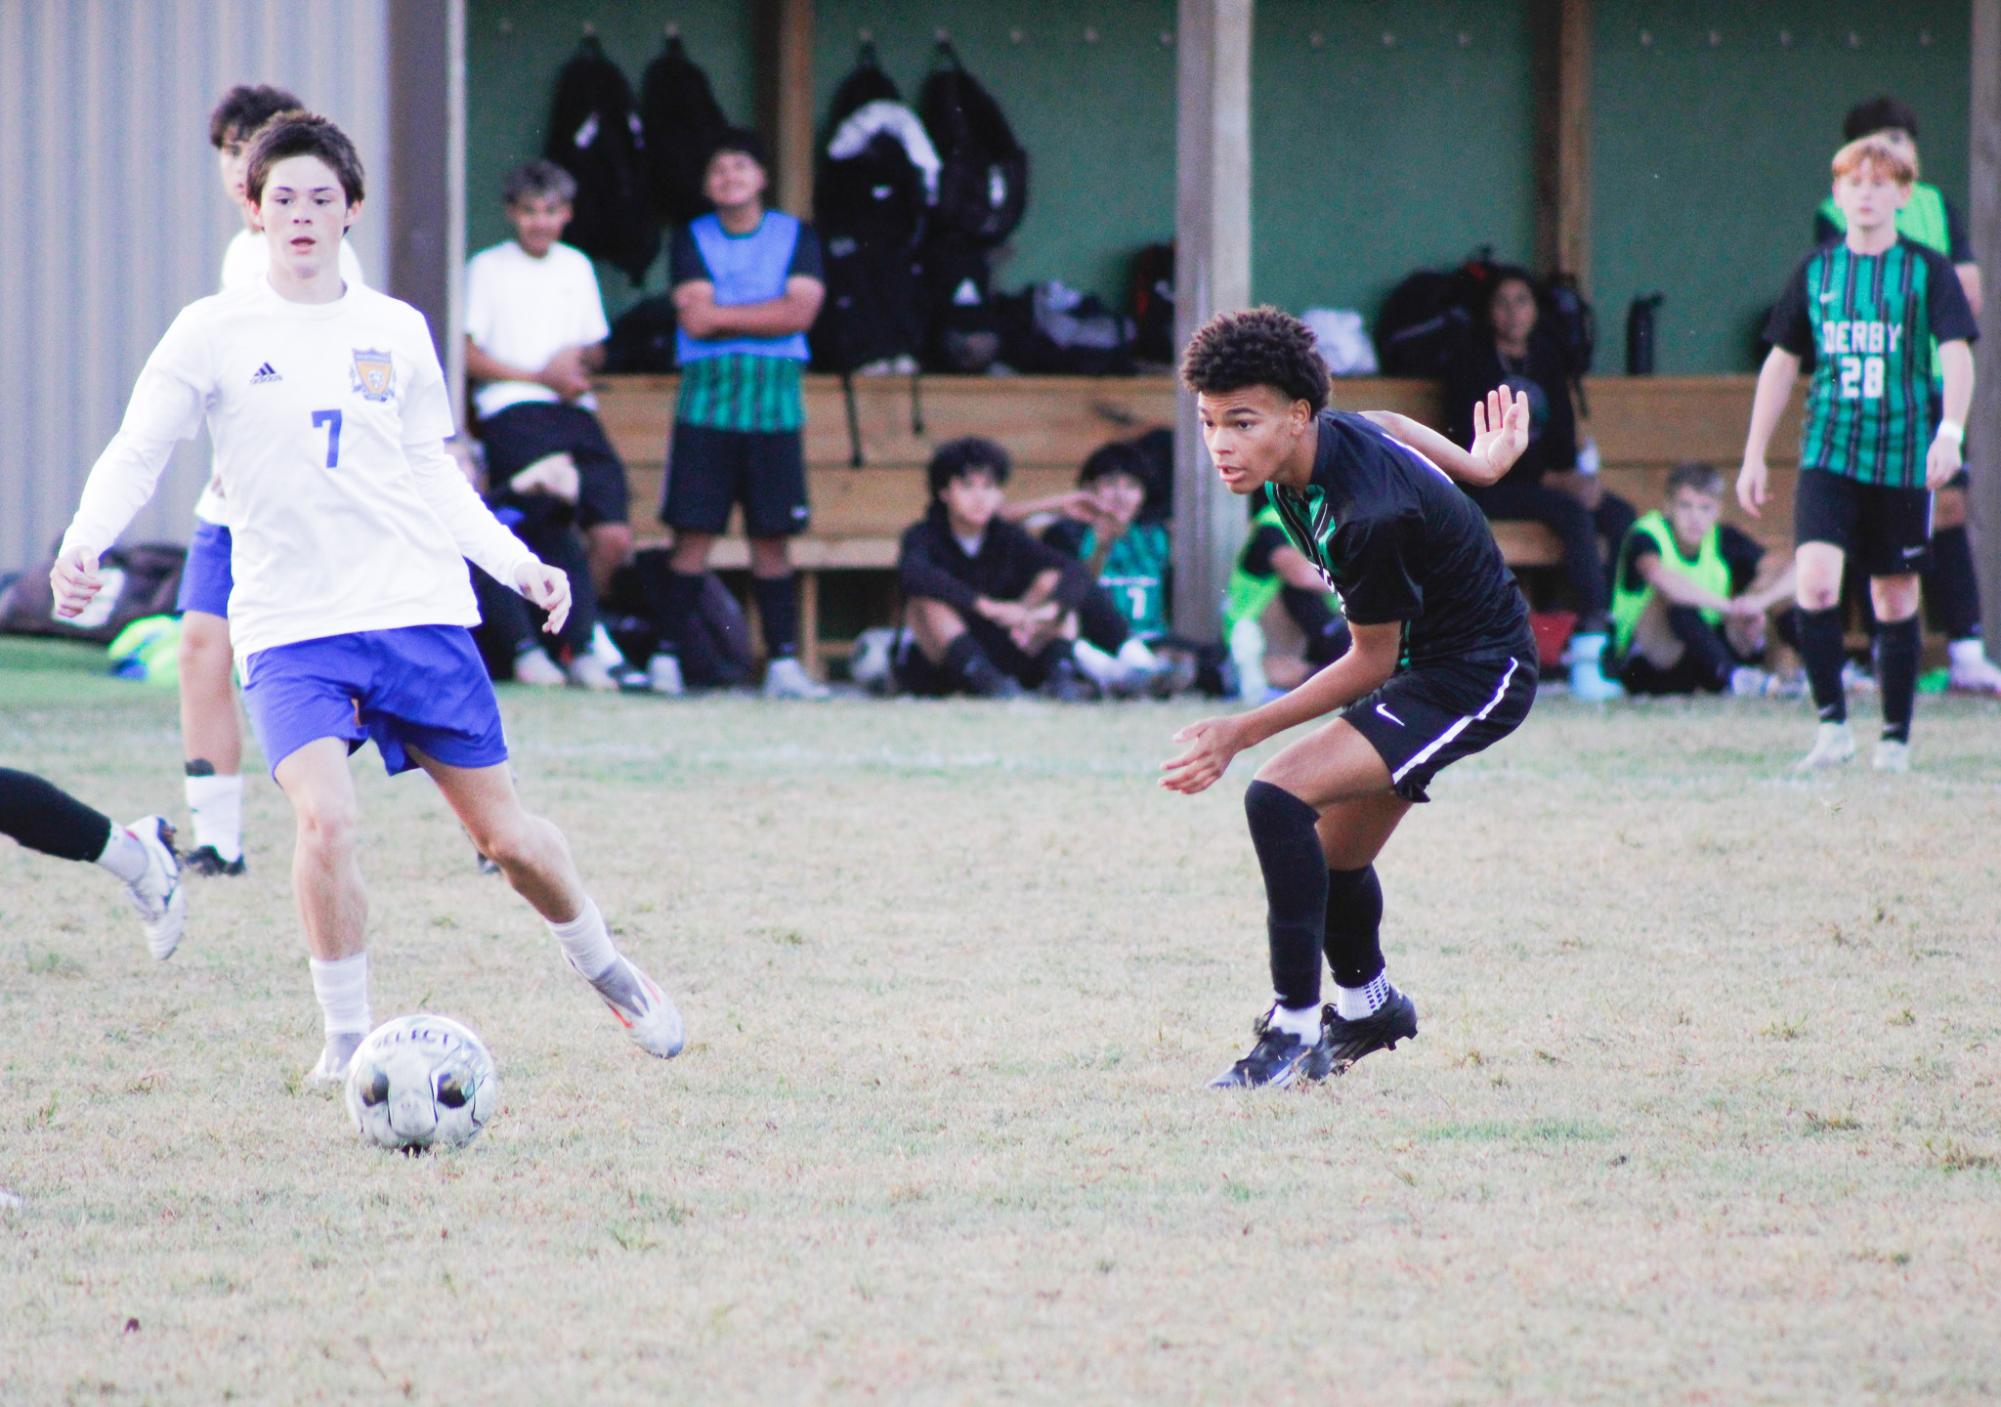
[1100,667]
[217,806]
[587,942]
[602,646]
[124,855]
[342,987]
[1136,654]
[1969,651]
[1300,1021]
[1357,1003]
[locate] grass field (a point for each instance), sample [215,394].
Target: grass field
[1706,1107]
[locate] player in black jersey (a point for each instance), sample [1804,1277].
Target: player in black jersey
[1442,665]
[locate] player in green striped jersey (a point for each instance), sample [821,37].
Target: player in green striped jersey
[1867,309]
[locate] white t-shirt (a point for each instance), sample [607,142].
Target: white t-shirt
[329,422]
[244,262]
[523,310]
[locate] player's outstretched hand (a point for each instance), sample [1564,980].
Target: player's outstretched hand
[1751,486]
[1211,744]
[1941,462]
[1500,430]
[75,581]
[547,588]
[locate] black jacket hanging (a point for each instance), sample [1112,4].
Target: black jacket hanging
[594,134]
[682,118]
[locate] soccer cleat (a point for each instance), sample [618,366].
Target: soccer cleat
[1066,684]
[331,1068]
[649,1017]
[1588,681]
[1833,745]
[593,672]
[786,678]
[535,668]
[986,680]
[1891,756]
[207,860]
[157,894]
[1343,1042]
[1973,673]
[663,673]
[1279,1058]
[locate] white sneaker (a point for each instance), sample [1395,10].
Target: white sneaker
[1588,683]
[653,1021]
[1974,673]
[1750,682]
[1833,745]
[591,671]
[331,1068]
[1855,679]
[1891,756]
[663,675]
[533,667]
[157,894]
[786,678]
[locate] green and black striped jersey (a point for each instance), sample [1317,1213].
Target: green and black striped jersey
[1867,321]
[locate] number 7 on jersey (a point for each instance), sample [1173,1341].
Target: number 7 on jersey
[330,419]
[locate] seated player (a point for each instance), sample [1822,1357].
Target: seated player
[989,609]
[1112,524]
[535,331]
[1442,665]
[1692,597]
[42,816]
[352,524]
[1269,572]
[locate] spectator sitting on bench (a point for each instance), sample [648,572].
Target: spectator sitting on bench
[1270,572]
[535,330]
[1111,522]
[1692,597]
[989,608]
[1545,485]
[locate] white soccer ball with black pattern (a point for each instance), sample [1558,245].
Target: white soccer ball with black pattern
[419,1082]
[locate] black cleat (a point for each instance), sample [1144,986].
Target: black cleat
[206,860]
[1279,1058]
[986,680]
[1067,684]
[1342,1043]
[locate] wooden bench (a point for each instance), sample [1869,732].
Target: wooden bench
[1643,427]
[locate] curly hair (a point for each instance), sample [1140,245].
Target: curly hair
[1256,347]
[301,134]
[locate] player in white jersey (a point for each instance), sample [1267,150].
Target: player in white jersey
[350,520]
[211,738]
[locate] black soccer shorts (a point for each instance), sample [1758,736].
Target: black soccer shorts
[521,434]
[1428,717]
[1885,531]
[709,471]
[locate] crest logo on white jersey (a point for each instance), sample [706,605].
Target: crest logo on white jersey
[374,375]
[265,375]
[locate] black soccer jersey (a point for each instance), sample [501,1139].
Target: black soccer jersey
[1868,321]
[1400,542]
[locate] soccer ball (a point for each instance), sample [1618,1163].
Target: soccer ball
[420,1081]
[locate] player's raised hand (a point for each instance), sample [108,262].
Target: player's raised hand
[1500,429]
[547,588]
[1942,461]
[1212,742]
[75,581]
[1751,484]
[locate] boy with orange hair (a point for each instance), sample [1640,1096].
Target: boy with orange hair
[1868,310]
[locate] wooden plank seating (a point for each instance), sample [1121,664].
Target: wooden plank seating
[1643,426]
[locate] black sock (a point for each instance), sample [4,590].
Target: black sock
[1952,593]
[778,609]
[1897,675]
[963,658]
[1704,648]
[671,597]
[1353,935]
[1295,871]
[1820,647]
[44,817]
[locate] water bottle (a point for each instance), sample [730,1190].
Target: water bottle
[1640,335]
[1247,652]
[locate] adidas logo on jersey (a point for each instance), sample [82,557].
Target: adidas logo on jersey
[266,374]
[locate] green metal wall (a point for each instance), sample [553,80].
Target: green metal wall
[1387,134]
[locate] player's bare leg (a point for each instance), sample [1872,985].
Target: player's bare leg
[212,744]
[536,859]
[1817,589]
[609,546]
[333,906]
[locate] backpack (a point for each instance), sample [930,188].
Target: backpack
[681,118]
[595,135]
[964,334]
[1052,328]
[142,580]
[642,338]
[1427,315]
[983,176]
[1152,297]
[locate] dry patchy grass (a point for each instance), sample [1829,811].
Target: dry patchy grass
[1704,1110]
